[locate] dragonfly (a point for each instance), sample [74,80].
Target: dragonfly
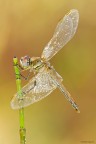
[45,79]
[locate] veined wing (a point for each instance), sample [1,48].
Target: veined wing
[64,31]
[38,87]
[61,87]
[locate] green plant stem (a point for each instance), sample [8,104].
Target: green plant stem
[21,110]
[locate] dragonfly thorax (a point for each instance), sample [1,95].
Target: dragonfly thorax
[37,63]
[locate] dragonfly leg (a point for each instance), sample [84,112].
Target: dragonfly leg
[19,67]
[23,77]
[27,77]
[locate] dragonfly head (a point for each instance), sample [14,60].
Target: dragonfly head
[25,62]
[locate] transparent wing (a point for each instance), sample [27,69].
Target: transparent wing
[64,31]
[38,87]
[61,87]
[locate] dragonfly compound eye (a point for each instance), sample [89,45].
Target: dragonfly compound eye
[25,61]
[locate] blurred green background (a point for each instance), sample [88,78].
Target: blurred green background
[25,28]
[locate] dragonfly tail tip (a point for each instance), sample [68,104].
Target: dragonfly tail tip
[78,111]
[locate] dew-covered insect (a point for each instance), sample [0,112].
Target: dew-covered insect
[45,78]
